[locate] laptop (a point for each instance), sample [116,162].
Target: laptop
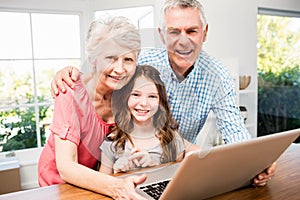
[209,172]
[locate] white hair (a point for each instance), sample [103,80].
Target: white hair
[119,29]
[183,4]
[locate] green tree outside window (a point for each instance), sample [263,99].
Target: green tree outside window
[278,74]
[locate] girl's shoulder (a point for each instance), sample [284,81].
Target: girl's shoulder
[110,139]
[177,135]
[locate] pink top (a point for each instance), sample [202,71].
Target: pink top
[74,119]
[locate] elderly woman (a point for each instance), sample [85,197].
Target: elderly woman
[83,117]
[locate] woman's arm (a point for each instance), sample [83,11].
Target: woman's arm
[73,172]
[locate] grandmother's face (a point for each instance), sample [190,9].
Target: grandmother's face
[115,65]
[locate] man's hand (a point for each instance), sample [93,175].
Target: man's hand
[263,178]
[67,75]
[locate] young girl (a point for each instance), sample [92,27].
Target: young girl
[145,134]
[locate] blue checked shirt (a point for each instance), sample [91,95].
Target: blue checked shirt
[207,87]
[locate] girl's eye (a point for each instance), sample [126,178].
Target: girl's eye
[134,94]
[153,96]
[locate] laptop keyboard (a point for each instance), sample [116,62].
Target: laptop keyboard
[155,189]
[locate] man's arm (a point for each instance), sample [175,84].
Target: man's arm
[228,118]
[66,76]
[232,127]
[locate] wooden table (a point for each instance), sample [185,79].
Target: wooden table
[285,185]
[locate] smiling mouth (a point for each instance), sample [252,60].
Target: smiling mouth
[141,111]
[183,53]
[117,78]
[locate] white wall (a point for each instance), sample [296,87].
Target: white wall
[232,34]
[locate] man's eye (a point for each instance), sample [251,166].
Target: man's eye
[173,32]
[191,31]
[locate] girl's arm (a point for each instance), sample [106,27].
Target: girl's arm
[106,164]
[190,146]
[73,172]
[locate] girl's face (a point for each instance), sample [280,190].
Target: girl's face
[143,101]
[115,65]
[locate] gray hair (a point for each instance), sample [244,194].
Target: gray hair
[183,4]
[119,29]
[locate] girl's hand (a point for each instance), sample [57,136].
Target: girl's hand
[143,159]
[123,164]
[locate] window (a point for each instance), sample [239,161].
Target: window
[142,17]
[33,47]
[278,71]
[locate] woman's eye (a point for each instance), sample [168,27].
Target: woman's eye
[110,57]
[128,59]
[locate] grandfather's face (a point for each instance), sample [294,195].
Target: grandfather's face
[183,35]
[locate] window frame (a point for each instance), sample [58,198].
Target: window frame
[32,60]
[276,13]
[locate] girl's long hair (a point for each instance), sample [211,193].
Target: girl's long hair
[162,119]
